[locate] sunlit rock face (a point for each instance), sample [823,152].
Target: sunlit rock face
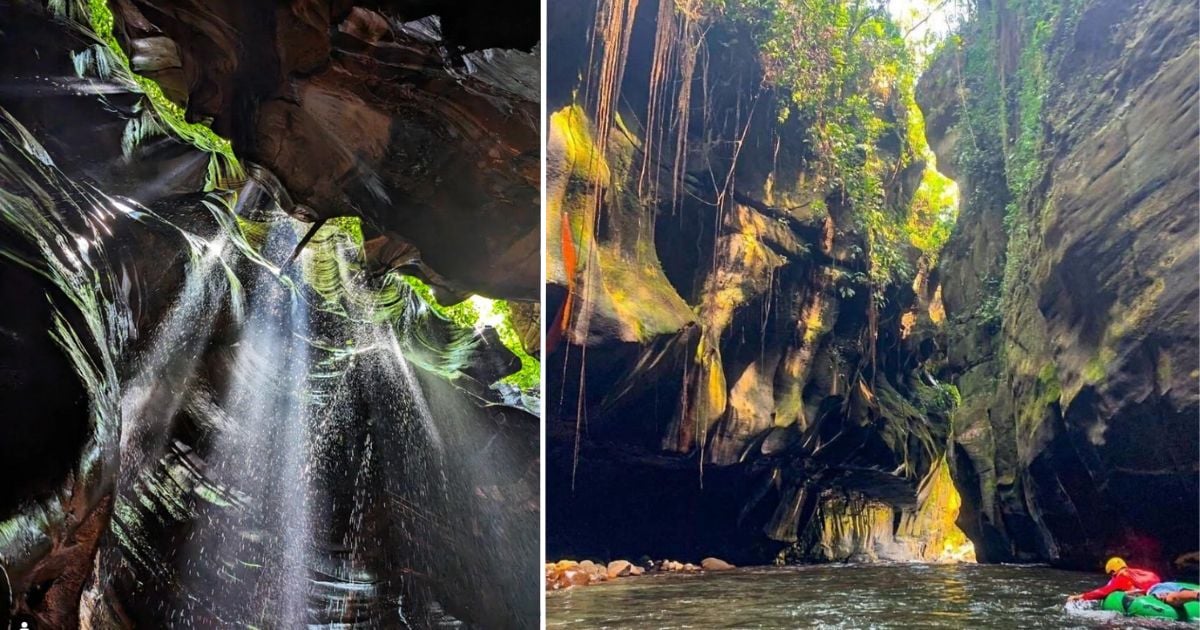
[1073,321]
[854,530]
[199,433]
[425,127]
[710,338]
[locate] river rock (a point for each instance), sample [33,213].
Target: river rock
[596,572]
[636,570]
[1187,564]
[619,568]
[715,564]
[573,576]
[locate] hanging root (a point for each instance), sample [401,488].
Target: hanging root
[312,231]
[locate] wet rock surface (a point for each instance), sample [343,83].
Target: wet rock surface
[123,367]
[715,564]
[1079,385]
[424,126]
[724,385]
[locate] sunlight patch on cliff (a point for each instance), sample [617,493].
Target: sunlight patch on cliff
[925,23]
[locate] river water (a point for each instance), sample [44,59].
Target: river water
[840,596]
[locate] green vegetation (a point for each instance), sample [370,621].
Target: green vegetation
[846,70]
[839,63]
[987,313]
[1097,367]
[940,398]
[1008,163]
[1049,387]
[161,116]
[477,312]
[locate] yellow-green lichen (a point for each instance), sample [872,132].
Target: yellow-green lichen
[585,158]
[1049,387]
[1097,367]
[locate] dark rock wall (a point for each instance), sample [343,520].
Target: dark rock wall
[1073,322]
[427,128]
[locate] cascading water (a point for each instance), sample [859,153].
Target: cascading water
[261,424]
[268,443]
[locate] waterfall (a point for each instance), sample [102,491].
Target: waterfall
[283,445]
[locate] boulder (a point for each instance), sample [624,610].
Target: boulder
[1187,564]
[619,568]
[573,576]
[715,564]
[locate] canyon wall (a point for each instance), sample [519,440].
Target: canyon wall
[729,373]
[1070,282]
[742,334]
[148,263]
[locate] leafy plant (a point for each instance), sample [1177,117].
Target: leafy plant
[159,112]
[845,68]
[469,313]
[1007,163]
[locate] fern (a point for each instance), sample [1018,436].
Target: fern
[138,129]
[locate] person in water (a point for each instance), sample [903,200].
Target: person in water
[1124,578]
[1174,593]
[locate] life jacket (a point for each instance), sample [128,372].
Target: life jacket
[1127,579]
[1141,579]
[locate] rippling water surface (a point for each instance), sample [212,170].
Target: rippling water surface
[840,596]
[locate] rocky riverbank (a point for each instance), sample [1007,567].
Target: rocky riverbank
[569,573]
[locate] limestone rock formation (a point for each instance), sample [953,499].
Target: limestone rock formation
[713,323]
[1070,282]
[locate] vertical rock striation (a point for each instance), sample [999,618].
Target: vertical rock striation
[1070,281]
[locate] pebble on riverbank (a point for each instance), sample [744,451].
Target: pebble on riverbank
[569,573]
